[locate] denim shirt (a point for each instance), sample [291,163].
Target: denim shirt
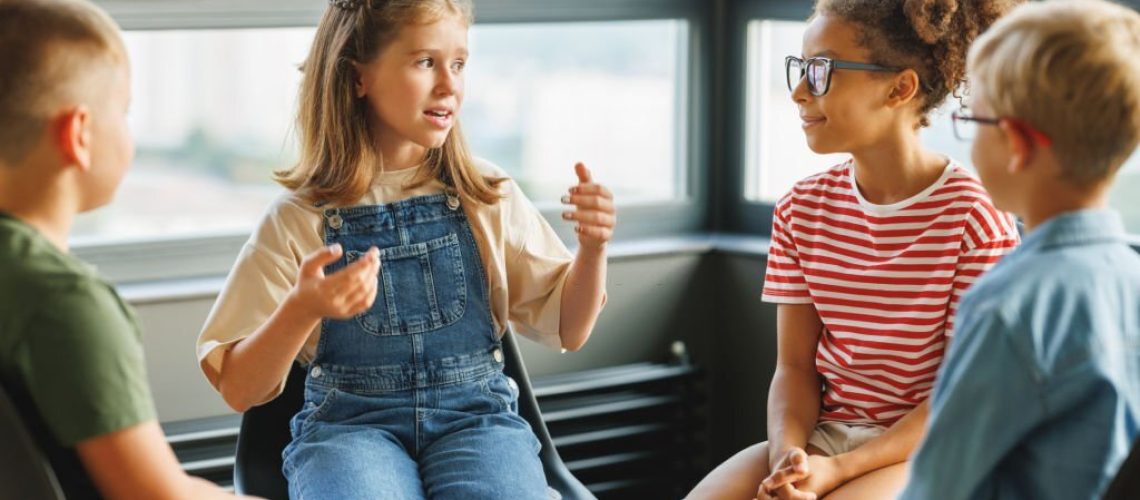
[1039,395]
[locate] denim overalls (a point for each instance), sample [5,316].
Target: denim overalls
[409,399]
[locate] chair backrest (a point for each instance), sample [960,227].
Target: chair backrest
[24,470]
[1126,484]
[265,433]
[558,477]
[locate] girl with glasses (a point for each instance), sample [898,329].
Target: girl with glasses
[868,258]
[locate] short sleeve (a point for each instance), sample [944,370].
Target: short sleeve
[985,402]
[784,279]
[989,235]
[537,264]
[83,364]
[261,278]
[256,286]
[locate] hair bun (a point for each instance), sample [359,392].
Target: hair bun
[931,19]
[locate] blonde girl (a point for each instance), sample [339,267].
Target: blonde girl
[391,269]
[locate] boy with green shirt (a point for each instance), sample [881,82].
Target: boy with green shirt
[70,352]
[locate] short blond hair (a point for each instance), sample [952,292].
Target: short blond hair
[1070,69]
[49,50]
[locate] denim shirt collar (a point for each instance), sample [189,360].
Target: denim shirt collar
[1082,227]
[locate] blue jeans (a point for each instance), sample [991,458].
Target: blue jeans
[408,400]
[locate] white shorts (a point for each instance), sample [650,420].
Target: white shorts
[834,438]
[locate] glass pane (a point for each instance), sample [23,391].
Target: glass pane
[541,97]
[213,115]
[777,154]
[1125,194]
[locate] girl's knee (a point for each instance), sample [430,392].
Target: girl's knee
[737,477]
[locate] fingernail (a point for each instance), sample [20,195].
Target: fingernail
[335,248]
[565,199]
[566,215]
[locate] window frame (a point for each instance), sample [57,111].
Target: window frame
[735,212]
[738,213]
[150,259]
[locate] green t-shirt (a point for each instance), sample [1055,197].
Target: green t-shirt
[68,342]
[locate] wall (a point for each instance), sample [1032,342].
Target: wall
[647,298]
[710,300]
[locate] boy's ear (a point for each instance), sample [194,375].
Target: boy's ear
[73,136]
[905,88]
[1020,146]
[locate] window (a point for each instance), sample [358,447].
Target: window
[776,153]
[213,115]
[1125,193]
[541,97]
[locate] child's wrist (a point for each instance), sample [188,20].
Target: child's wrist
[592,249]
[846,465]
[779,452]
[295,308]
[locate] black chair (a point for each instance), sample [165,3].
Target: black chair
[1126,485]
[265,432]
[24,470]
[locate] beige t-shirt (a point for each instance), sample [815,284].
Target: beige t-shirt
[526,265]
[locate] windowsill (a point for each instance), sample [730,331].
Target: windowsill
[738,244]
[182,289]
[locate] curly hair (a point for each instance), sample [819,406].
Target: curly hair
[932,37]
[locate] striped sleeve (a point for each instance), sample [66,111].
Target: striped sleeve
[989,235]
[784,280]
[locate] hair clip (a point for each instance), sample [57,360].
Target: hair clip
[347,4]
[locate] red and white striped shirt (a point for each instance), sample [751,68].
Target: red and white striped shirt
[885,280]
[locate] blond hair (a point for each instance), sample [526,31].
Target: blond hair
[338,159]
[1068,69]
[49,50]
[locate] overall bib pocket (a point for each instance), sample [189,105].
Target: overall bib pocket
[421,288]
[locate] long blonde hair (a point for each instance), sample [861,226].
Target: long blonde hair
[338,158]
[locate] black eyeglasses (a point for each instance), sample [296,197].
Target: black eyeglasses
[818,72]
[966,124]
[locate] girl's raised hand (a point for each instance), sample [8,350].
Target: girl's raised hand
[342,294]
[593,212]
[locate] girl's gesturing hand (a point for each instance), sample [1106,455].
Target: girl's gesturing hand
[341,295]
[594,210]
